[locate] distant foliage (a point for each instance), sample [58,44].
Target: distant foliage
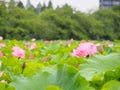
[45,22]
[20,4]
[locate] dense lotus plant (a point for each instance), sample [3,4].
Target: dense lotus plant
[48,65]
[85,49]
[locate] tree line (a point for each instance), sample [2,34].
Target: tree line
[45,22]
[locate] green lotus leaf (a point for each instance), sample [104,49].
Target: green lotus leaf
[2,86]
[99,64]
[61,76]
[111,85]
[53,88]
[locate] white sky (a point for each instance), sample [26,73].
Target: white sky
[82,5]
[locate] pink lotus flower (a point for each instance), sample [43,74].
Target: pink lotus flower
[2,44]
[1,54]
[27,44]
[33,46]
[31,56]
[51,41]
[46,42]
[1,38]
[84,49]
[100,48]
[18,52]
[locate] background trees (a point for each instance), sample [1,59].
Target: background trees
[45,22]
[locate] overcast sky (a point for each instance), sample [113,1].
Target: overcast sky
[82,5]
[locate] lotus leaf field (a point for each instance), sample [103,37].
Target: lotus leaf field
[59,65]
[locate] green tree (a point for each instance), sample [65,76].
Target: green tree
[116,8]
[2,9]
[116,20]
[17,22]
[3,18]
[106,17]
[50,4]
[20,4]
[11,4]
[43,7]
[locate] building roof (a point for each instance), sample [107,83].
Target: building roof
[108,3]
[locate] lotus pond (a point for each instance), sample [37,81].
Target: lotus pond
[59,65]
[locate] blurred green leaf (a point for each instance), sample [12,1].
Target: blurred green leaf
[53,88]
[111,85]
[2,86]
[63,76]
[99,64]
